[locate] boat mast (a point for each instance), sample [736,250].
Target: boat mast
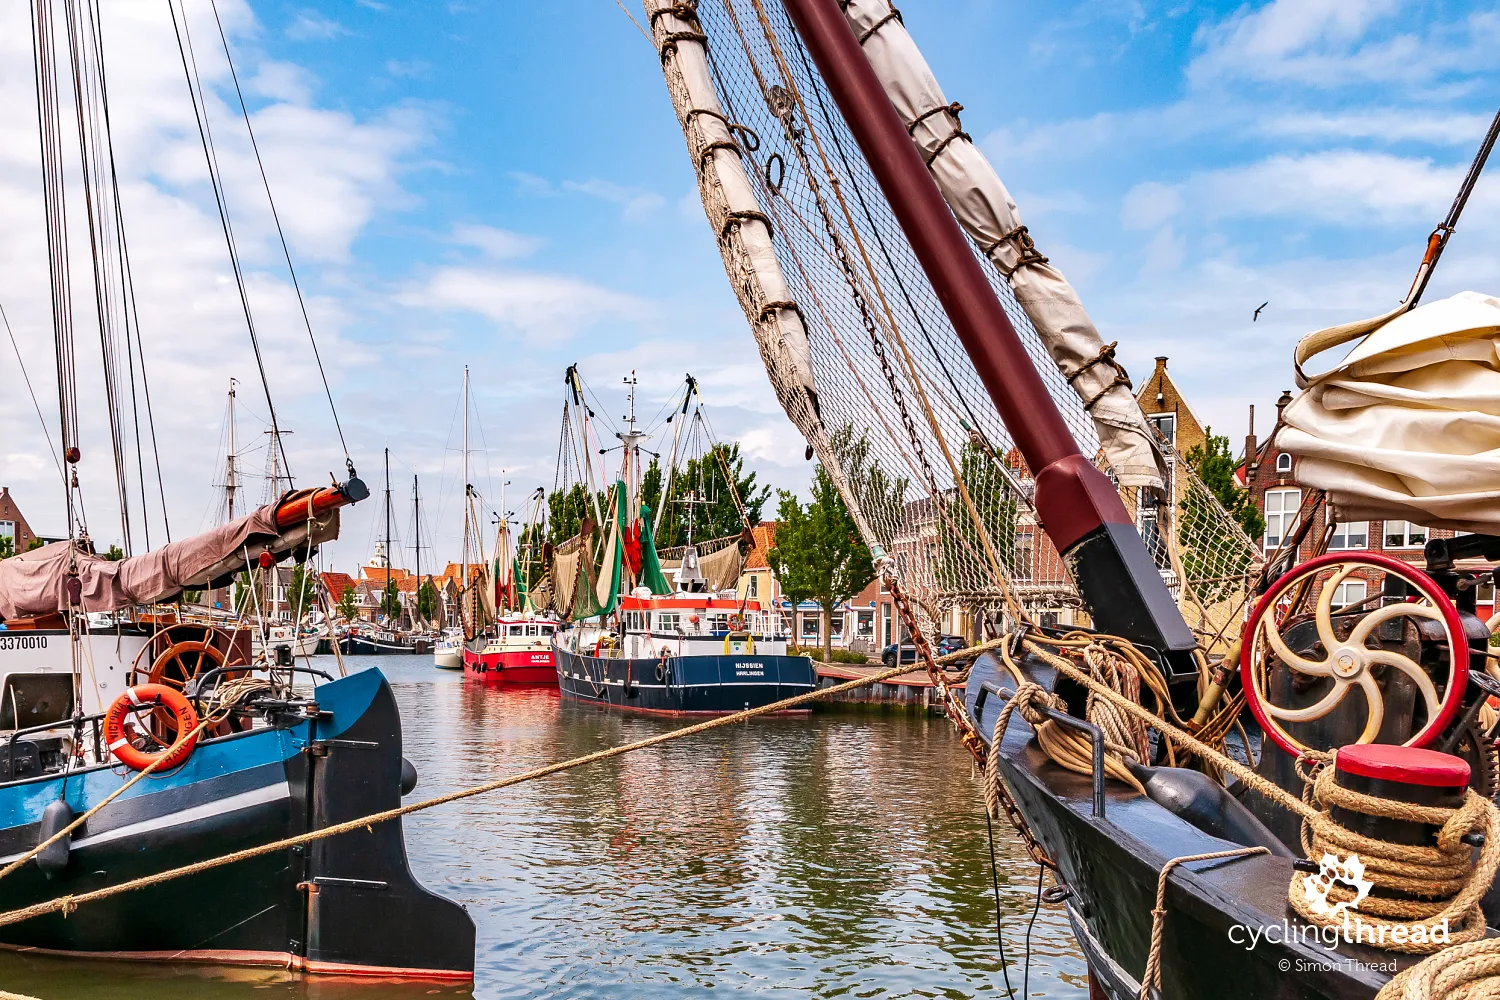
[463,589]
[631,459]
[229,471]
[416,530]
[1079,507]
[388,567]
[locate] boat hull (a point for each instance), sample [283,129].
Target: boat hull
[358,645]
[685,685]
[448,659]
[530,666]
[346,905]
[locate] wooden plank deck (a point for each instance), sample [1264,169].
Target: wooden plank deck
[913,690]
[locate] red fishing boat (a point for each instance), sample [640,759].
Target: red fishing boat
[516,649]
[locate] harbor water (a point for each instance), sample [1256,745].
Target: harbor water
[842,854]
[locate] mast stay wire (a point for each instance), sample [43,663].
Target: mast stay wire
[1439,238]
[132,311]
[54,192]
[210,155]
[280,234]
[26,377]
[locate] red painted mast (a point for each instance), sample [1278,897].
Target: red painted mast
[1076,502]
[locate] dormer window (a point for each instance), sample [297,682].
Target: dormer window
[1284,462]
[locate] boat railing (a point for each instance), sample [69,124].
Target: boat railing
[72,722]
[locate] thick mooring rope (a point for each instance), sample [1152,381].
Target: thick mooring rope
[66,904]
[1151,981]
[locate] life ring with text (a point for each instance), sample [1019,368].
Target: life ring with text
[736,623]
[162,701]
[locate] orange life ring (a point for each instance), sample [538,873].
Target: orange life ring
[142,696]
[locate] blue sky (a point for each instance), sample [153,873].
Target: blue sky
[503,185]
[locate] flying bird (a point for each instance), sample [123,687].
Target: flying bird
[1258,309]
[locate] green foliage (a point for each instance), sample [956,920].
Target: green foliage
[7,546]
[36,543]
[115,553]
[819,555]
[244,594]
[1215,465]
[704,476]
[346,606]
[191,597]
[566,512]
[390,600]
[874,488]
[962,552]
[427,600]
[302,591]
[1210,554]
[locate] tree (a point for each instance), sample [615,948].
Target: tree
[566,512]
[961,553]
[244,594]
[302,591]
[115,553]
[704,477]
[427,600]
[7,546]
[36,543]
[1215,465]
[390,600]
[1211,554]
[346,604]
[819,555]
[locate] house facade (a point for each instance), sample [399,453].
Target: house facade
[13,523]
[1271,477]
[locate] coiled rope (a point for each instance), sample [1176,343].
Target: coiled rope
[67,904]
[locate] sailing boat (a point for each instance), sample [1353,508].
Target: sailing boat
[383,638]
[644,644]
[86,710]
[918,337]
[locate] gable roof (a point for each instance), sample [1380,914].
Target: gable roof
[764,535]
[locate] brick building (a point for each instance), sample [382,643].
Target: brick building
[1271,477]
[13,523]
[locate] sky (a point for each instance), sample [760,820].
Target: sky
[504,186]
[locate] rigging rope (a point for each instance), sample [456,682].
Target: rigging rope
[21,363]
[66,904]
[210,155]
[280,234]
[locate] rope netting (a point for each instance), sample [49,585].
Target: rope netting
[863,356]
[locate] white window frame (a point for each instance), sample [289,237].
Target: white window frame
[8,530]
[1350,592]
[752,589]
[1405,534]
[815,619]
[668,621]
[1281,522]
[1344,531]
[1170,418]
[1284,461]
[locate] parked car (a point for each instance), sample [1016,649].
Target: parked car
[946,644]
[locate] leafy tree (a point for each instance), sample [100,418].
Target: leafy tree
[302,590]
[819,555]
[705,477]
[1209,554]
[191,596]
[427,600]
[115,553]
[390,600]
[7,546]
[566,512]
[346,606]
[962,552]
[244,594]
[36,543]
[1215,465]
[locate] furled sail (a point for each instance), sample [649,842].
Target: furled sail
[1407,426]
[36,582]
[989,215]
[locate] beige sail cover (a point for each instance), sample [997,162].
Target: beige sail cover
[1408,425]
[989,215]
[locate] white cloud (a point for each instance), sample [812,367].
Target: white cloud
[540,306]
[1149,204]
[497,244]
[635,204]
[1385,124]
[309,25]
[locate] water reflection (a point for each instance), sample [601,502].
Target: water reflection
[838,855]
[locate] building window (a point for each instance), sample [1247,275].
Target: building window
[864,624]
[1166,426]
[1353,535]
[754,589]
[885,624]
[1349,592]
[1281,515]
[1284,462]
[1404,535]
[669,621]
[8,530]
[810,626]
[836,626]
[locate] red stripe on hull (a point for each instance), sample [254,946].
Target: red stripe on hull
[520,667]
[256,959]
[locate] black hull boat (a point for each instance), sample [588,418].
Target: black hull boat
[360,645]
[1229,914]
[685,685]
[347,905]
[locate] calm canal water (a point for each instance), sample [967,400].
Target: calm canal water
[838,855]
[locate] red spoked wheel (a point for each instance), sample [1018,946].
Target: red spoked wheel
[1348,662]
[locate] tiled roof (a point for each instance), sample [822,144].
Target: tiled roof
[764,534]
[337,583]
